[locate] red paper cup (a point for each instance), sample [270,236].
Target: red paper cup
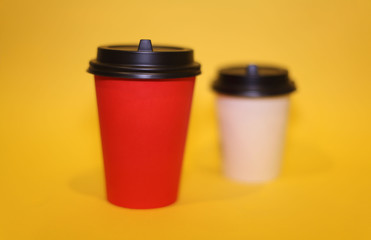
[143,123]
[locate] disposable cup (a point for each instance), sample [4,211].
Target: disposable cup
[252,105]
[144,97]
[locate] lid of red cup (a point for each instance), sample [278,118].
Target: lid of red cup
[144,61]
[253,81]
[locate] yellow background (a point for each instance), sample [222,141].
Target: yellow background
[51,181]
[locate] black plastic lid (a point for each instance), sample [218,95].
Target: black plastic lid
[254,81]
[144,61]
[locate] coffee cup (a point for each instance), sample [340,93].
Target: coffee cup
[144,95]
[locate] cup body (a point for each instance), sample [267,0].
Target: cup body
[252,136]
[143,125]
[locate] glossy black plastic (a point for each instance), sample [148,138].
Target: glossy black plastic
[144,61]
[254,81]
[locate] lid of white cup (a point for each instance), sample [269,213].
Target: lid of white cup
[253,81]
[144,61]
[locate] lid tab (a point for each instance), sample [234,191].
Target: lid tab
[145,45]
[252,70]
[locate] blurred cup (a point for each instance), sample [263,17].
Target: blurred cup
[252,106]
[144,95]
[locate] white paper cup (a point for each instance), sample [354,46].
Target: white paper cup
[252,132]
[252,106]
